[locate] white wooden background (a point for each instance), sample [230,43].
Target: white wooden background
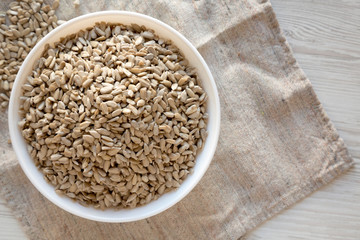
[325,37]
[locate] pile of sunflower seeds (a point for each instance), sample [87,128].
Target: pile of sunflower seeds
[21,27]
[114,116]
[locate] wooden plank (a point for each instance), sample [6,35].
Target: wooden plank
[10,228]
[325,40]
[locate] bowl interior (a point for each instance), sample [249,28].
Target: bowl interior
[202,162]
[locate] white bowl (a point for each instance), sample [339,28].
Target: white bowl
[202,161]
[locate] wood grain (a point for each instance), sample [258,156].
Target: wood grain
[325,40]
[10,228]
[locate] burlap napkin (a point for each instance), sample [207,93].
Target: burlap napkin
[276,144]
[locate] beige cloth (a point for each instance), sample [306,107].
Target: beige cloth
[276,144]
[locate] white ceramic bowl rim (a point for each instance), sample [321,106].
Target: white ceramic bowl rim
[154,207]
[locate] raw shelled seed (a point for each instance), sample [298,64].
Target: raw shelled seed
[76,3]
[114,116]
[29,21]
